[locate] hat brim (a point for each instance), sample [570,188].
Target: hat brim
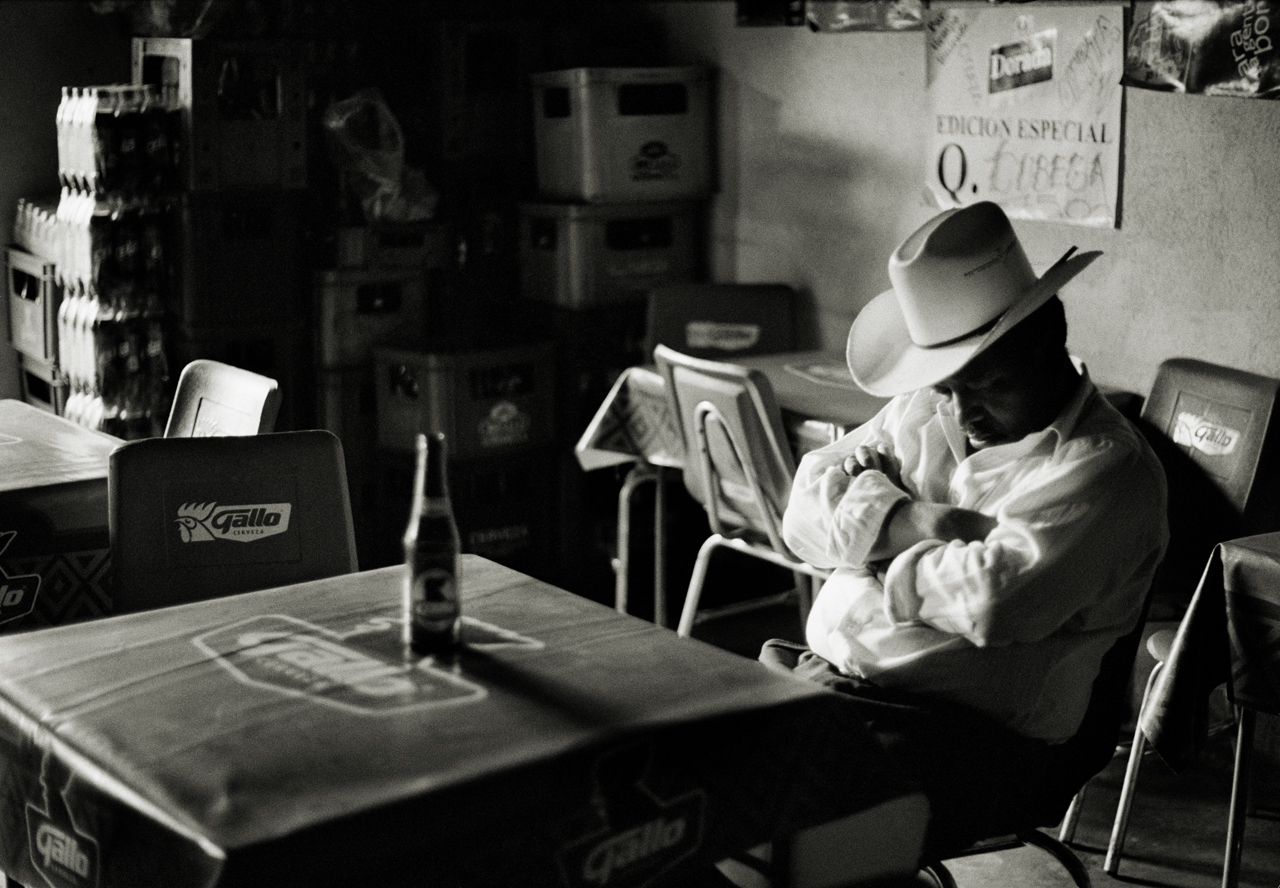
[885,362]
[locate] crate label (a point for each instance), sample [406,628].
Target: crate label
[639,267]
[721,335]
[505,425]
[655,162]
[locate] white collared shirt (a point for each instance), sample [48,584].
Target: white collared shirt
[1014,625]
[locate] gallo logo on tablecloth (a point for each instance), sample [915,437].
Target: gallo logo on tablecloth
[291,656]
[17,592]
[643,835]
[62,853]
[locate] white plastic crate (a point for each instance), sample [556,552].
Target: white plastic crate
[360,308]
[583,255]
[623,134]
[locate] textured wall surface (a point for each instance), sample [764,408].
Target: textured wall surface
[822,154]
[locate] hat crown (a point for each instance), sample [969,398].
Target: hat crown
[958,273]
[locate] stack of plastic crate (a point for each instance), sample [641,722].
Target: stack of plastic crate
[624,166]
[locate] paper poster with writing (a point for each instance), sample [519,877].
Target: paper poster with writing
[1025,105]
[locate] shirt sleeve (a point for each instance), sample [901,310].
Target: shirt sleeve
[833,520]
[1065,537]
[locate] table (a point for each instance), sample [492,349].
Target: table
[283,737]
[54,542]
[818,398]
[1231,634]
[634,425]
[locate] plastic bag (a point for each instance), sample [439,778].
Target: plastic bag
[367,145]
[1215,47]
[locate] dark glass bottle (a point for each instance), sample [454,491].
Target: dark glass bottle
[432,611]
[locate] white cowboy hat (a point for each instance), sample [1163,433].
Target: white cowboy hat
[960,282]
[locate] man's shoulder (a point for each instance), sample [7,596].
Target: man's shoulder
[1101,425]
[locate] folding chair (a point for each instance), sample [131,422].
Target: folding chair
[1217,432]
[198,518]
[739,466]
[714,321]
[215,399]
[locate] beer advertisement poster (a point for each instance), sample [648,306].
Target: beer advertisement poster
[1025,106]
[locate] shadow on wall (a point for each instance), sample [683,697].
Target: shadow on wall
[802,208]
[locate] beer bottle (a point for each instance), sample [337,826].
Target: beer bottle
[432,613]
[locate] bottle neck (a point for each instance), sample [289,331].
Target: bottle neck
[432,473]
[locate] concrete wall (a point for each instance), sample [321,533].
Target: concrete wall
[43,47]
[822,154]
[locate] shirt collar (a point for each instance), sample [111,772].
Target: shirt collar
[1063,425]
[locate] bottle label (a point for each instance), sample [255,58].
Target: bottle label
[432,612]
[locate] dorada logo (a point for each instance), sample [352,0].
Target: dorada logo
[294,657]
[1023,63]
[1210,438]
[205,522]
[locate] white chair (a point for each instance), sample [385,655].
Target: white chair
[704,320]
[739,466]
[213,399]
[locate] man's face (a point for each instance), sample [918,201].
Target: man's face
[1000,396]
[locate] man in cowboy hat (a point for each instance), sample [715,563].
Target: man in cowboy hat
[993,530]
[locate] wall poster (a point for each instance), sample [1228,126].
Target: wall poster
[1025,107]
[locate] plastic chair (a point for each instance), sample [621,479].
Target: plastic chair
[739,466]
[714,321]
[720,321]
[1086,754]
[1212,494]
[198,518]
[215,399]
[1220,432]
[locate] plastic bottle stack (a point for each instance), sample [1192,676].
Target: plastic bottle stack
[109,241]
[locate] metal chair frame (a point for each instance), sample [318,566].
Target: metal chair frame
[765,522]
[1253,508]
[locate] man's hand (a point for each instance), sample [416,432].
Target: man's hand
[912,521]
[879,458]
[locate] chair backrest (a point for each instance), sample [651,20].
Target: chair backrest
[738,463]
[198,518]
[721,321]
[214,399]
[1216,431]
[1212,429]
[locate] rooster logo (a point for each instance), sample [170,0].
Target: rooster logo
[206,522]
[192,522]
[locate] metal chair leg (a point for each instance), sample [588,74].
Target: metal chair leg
[659,547]
[1067,831]
[1239,798]
[639,474]
[699,576]
[1120,826]
[1061,852]
[939,875]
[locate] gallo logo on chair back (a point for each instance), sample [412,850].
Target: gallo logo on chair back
[205,522]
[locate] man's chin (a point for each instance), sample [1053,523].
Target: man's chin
[982,442]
